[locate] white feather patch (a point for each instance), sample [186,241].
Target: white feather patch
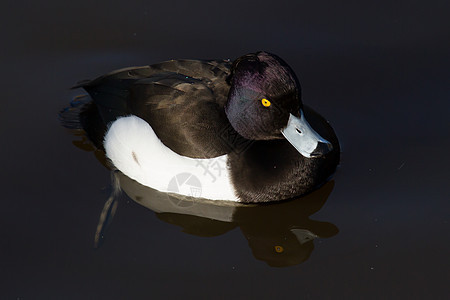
[134,149]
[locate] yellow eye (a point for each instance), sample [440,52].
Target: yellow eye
[279,249]
[265,102]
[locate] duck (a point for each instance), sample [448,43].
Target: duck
[214,129]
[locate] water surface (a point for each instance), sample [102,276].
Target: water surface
[379,73]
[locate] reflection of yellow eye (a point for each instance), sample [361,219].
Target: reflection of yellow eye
[279,249]
[265,102]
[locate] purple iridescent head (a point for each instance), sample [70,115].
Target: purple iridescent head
[255,77]
[264,103]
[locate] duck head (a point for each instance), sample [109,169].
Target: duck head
[264,103]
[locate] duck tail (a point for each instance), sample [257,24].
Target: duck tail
[69,117]
[82,114]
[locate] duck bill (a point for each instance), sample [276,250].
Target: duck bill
[304,138]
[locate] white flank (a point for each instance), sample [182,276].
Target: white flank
[133,147]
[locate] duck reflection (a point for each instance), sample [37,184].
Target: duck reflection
[281,234]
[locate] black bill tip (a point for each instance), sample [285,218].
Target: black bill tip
[322,149]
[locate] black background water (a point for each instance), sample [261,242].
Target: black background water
[379,71]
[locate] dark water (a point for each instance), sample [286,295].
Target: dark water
[379,72]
